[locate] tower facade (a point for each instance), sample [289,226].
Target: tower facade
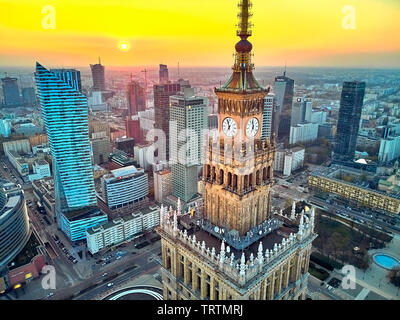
[351,103]
[163,73]
[65,113]
[262,255]
[188,119]
[162,92]
[284,90]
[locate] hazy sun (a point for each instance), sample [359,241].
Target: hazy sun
[124,46]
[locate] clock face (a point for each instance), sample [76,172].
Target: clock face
[229,127]
[252,127]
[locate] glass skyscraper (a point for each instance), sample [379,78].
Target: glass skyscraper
[351,103]
[283,89]
[11,94]
[65,114]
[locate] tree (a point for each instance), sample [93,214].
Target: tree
[394,276]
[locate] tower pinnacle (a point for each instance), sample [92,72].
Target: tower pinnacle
[244,15]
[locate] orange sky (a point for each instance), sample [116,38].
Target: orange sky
[199,32]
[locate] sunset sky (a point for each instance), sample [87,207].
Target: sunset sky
[199,33]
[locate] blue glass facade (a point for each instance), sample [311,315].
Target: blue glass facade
[65,114]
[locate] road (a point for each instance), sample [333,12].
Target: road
[371,222]
[144,261]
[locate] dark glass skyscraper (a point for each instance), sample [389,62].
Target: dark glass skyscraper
[351,103]
[283,89]
[11,94]
[65,114]
[98,75]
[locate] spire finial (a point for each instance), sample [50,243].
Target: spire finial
[244,15]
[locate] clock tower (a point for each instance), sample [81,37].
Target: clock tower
[236,248]
[238,169]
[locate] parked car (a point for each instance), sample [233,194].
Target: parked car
[110,284]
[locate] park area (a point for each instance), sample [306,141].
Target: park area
[342,241]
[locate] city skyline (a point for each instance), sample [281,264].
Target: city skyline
[153,30]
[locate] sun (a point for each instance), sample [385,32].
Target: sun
[124,46]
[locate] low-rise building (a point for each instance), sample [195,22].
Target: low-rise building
[340,181]
[41,169]
[122,229]
[43,190]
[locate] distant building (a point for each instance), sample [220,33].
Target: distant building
[101,149]
[136,98]
[132,127]
[267,122]
[389,149]
[122,229]
[5,127]
[301,111]
[351,103]
[121,159]
[29,96]
[11,94]
[162,93]
[289,160]
[162,185]
[98,75]
[212,121]
[125,144]
[164,73]
[283,89]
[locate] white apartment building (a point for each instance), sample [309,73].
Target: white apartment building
[303,132]
[122,229]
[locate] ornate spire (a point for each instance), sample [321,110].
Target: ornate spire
[242,79]
[244,16]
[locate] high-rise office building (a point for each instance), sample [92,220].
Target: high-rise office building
[11,94]
[351,103]
[301,111]
[136,98]
[188,120]
[162,92]
[283,89]
[65,113]
[164,78]
[267,122]
[262,255]
[98,76]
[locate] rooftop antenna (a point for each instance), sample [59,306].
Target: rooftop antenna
[178,71]
[284,72]
[99,61]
